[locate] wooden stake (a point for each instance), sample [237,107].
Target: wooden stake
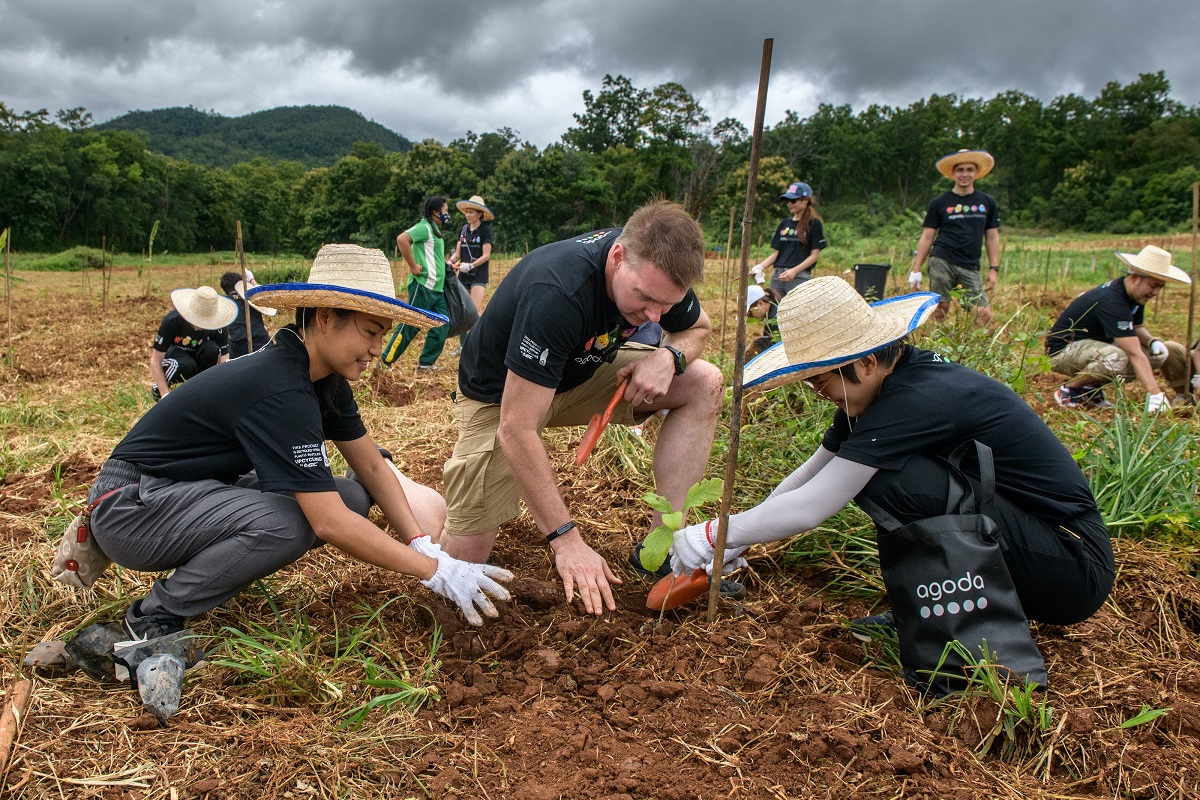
[1187,387]
[725,281]
[739,353]
[8,289]
[245,287]
[11,723]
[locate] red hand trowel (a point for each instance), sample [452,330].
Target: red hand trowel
[675,590]
[597,425]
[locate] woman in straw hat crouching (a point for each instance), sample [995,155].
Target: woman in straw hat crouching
[227,480]
[901,413]
[191,338]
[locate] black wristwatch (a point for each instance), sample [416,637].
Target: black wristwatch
[680,358]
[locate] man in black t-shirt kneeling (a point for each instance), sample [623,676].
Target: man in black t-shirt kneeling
[963,221]
[550,352]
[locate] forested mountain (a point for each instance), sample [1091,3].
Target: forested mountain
[316,136]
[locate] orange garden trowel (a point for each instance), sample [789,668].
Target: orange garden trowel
[597,425]
[675,590]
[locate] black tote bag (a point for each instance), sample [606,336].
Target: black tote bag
[463,314]
[947,581]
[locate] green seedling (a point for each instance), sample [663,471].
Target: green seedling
[658,543]
[1147,714]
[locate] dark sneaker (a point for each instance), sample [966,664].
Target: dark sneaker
[143,628]
[1067,397]
[866,629]
[1092,396]
[733,590]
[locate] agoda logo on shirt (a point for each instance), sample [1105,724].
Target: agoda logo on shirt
[964,209]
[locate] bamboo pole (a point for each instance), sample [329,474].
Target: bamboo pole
[725,280]
[8,289]
[1187,387]
[739,353]
[245,286]
[13,719]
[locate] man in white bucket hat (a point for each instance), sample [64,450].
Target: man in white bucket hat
[1102,336]
[886,447]
[227,480]
[958,225]
[239,345]
[191,338]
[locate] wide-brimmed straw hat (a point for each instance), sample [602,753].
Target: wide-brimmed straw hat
[240,289]
[204,308]
[982,160]
[824,323]
[476,202]
[351,277]
[1154,262]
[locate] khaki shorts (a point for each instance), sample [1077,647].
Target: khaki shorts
[1104,362]
[481,490]
[945,277]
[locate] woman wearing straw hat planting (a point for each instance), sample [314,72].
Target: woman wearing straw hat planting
[797,244]
[191,338]
[228,480]
[888,451]
[425,254]
[1101,336]
[474,250]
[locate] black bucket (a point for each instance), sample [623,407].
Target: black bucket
[870,280]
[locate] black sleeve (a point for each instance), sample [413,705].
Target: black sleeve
[343,423]
[221,338]
[162,339]
[993,218]
[485,234]
[816,235]
[1114,318]
[548,326]
[932,218]
[682,315]
[285,441]
[897,426]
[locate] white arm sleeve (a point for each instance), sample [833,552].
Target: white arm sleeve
[805,472]
[788,513]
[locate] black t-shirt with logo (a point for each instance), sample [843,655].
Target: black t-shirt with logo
[259,412]
[551,321]
[929,406]
[787,241]
[1104,314]
[175,331]
[961,221]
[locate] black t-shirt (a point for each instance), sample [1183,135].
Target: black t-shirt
[929,406]
[551,321]
[1104,314]
[237,329]
[471,242]
[787,241]
[259,412]
[961,221]
[175,331]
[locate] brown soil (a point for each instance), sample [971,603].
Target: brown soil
[773,700]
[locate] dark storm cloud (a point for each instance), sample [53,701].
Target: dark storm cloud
[524,63]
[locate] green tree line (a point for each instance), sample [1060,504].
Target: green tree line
[1121,162]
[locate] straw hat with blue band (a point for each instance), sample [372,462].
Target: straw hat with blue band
[351,277]
[824,323]
[476,202]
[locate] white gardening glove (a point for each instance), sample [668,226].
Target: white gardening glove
[759,271]
[1156,402]
[692,548]
[463,583]
[466,266]
[1158,349]
[1196,384]
[914,280]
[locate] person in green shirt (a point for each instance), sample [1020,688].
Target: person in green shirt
[424,253]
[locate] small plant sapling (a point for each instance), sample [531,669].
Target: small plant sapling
[658,543]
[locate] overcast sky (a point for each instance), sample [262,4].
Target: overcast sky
[438,69]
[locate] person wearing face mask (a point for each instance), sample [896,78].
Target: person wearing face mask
[886,447]
[227,479]
[424,252]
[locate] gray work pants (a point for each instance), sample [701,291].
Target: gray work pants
[217,538]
